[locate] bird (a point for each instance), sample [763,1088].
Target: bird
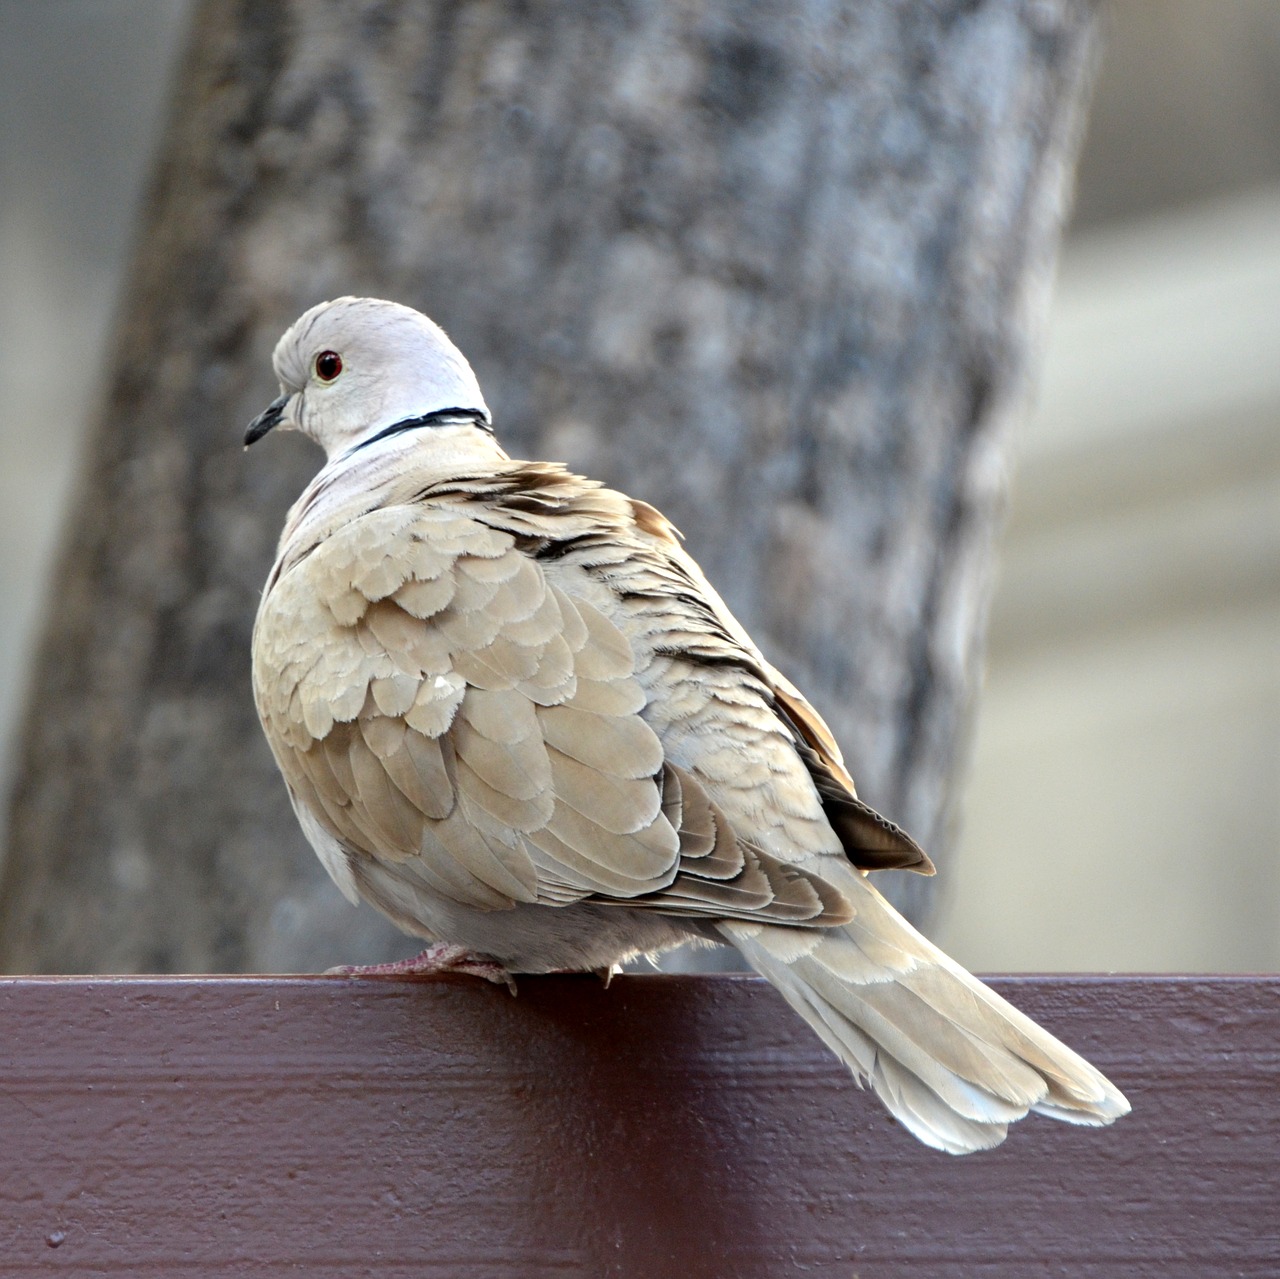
[512,713]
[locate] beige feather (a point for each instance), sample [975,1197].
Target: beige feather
[623,746]
[582,854]
[436,704]
[498,570]
[383,734]
[390,629]
[556,672]
[611,697]
[607,653]
[517,814]
[621,805]
[519,769]
[420,770]
[502,716]
[466,632]
[424,599]
[472,593]
[458,849]
[386,818]
[499,666]
[573,627]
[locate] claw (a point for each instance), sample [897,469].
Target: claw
[442,957]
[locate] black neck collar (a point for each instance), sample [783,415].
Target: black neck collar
[441,417]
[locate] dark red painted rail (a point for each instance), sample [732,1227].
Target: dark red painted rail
[668,1126]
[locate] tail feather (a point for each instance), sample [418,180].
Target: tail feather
[945,1059]
[1073,1084]
[954,1062]
[917,1109]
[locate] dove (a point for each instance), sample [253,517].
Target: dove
[513,714]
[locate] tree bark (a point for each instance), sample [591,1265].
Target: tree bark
[776,268]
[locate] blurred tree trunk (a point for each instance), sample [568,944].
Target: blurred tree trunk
[776,268]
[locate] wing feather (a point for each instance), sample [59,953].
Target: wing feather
[476,722]
[622,746]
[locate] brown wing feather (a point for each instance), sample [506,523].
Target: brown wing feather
[872,842]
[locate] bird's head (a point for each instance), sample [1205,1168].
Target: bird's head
[354,367]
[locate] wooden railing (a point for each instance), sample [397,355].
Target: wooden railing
[667,1126]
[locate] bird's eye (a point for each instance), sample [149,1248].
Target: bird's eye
[328,365]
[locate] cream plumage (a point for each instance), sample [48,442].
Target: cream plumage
[513,714]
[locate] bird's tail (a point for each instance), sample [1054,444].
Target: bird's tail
[954,1062]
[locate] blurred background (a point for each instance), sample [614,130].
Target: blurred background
[1123,804]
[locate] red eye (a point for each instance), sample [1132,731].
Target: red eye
[328,365]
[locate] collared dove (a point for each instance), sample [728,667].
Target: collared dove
[514,715]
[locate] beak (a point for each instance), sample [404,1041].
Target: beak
[269,417]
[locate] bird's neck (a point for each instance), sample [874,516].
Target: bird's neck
[434,421]
[388,467]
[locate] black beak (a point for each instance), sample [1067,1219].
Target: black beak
[269,417]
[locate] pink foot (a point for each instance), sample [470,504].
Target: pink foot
[442,957]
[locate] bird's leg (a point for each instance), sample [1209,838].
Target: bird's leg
[441,957]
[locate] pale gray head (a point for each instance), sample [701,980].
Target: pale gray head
[354,367]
